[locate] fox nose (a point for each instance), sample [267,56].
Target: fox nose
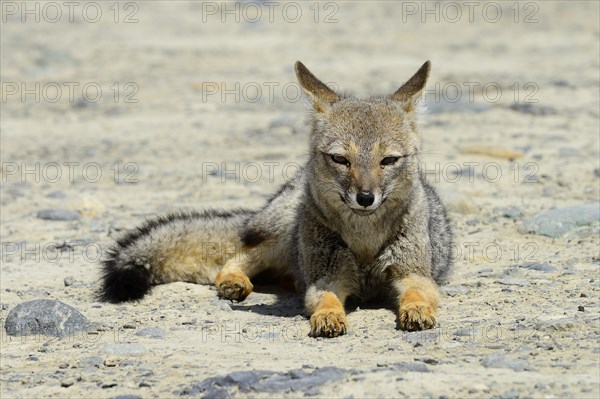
[365,198]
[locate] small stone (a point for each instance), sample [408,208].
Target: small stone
[57,214]
[580,308]
[46,317]
[106,385]
[542,267]
[67,382]
[69,281]
[130,326]
[152,332]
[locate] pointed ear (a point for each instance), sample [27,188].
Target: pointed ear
[413,87]
[321,95]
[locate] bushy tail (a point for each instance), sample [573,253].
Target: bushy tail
[178,247]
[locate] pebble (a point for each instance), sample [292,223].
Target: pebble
[152,332]
[67,382]
[69,281]
[46,317]
[95,361]
[571,222]
[57,214]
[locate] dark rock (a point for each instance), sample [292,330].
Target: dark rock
[57,214]
[46,317]
[266,381]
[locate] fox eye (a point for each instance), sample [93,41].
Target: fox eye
[389,161]
[340,159]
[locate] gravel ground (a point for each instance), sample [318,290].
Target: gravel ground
[199,110]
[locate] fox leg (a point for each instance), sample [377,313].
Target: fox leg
[233,280]
[418,298]
[326,307]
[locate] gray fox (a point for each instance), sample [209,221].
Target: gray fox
[360,221]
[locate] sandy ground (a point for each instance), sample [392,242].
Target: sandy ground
[185,107]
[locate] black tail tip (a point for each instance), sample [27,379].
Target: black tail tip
[124,283]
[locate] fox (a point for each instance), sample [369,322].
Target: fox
[360,222]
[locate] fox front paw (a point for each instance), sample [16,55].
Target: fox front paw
[328,323]
[416,316]
[233,285]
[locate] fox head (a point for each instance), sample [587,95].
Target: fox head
[363,153]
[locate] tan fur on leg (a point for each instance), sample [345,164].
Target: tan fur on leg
[232,283]
[418,299]
[329,317]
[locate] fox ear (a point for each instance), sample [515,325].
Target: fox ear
[321,95]
[413,87]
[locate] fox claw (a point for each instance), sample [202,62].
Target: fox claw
[328,324]
[417,316]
